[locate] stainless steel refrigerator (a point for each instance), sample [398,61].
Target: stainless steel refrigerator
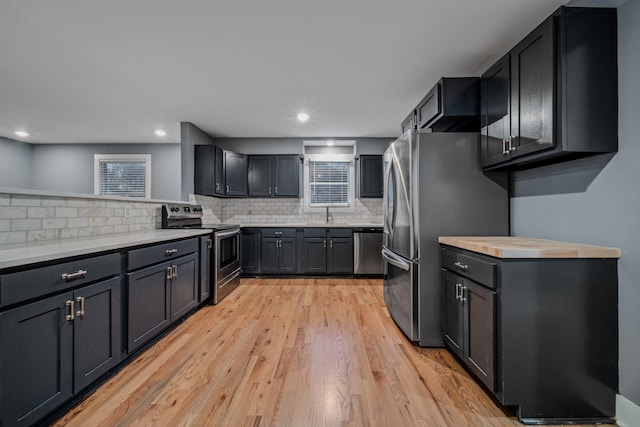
[433,186]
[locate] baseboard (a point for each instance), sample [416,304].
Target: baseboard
[627,412]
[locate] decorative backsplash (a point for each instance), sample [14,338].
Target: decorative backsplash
[28,218]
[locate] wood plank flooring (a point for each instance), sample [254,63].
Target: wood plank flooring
[291,352]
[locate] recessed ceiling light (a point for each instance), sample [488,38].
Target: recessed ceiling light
[330,142]
[21,133]
[160,132]
[303,117]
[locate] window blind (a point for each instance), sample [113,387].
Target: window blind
[329,183]
[123,177]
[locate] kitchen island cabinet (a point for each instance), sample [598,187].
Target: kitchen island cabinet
[536,322]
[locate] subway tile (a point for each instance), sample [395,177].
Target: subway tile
[107,229]
[25,200]
[54,201]
[113,220]
[97,203]
[26,224]
[87,231]
[121,229]
[5,225]
[135,227]
[11,212]
[97,221]
[36,235]
[5,199]
[78,222]
[77,203]
[13,237]
[66,212]
[40,212]
[48,223]
[67,233]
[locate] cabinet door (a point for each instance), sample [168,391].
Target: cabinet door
[532,86]
[286,176]
[36,344]
[205,268]
[314,255]
[340,256]
[204,171]
[479,325]
[452,312]
[148,304]
[184,286]
[219,184]
[287,255]
[270,255]
[97,329]
[260,176]
[495,109]
[235,174]
[371,176]
[251,242]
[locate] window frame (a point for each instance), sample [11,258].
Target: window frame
[350,158]
[133,158]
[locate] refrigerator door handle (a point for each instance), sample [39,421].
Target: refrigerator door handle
[394,259]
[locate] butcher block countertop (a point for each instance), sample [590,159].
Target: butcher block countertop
[527,247]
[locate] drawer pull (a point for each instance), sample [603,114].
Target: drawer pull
[461,266]
[171,251]
[77,275]
[278,233]
[69,305]
[80,301]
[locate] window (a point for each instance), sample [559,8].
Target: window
[123,175]
[329,176]
[328,183]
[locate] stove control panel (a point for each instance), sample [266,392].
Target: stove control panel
[181,211]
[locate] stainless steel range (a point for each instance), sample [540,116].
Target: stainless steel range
[224,260]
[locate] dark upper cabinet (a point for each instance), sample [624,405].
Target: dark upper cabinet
[409,123]
[371,176]
[274,176]
[235,174]
[219,172]
[543,103]
[452,105]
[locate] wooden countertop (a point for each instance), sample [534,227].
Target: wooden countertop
[527,247]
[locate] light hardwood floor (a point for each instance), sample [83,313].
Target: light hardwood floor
[291,352]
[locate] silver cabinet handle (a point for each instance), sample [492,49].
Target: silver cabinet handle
[175,271]
[461,266]
[80,301]
[330,243]
[227,188]
[458,289]
[169,273]
[77,275]
[325,243]
[269,190]
[170,251]
[463,290]
[209,244]
[504,146]
[511,147]
[276,190]
[69,305]
[217,186]
[278,233]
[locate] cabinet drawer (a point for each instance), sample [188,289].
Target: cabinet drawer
[340,232]
[315,232]
[37,282]
[480,270]
[278,232]
[139,258]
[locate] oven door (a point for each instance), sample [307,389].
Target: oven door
[227,253]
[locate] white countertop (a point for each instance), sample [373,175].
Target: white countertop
[20,254]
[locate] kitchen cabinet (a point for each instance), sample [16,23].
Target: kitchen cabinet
[53,348]
[328,251]
[453,104]
[219,172]
[279,251]
[161,288]
[206,280]
[250,249]
[274,176]
[543,103]
[409,123]
[371,176]
[539,333]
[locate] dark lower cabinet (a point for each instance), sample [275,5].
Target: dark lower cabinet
[340,255]
[279,255]
[184,286]
[206,246]
[55,347]
[250,249]
[314,253]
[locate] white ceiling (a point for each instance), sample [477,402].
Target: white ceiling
[113,71]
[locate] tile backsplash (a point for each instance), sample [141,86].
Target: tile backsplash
[28,218]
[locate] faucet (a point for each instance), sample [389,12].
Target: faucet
[328,218]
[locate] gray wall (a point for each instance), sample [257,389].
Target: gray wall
[597,200]
[69,167]
[15,163]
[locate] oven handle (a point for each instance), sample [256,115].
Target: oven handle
[225,234]
[228,279]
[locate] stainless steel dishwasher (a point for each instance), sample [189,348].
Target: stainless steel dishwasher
[367,251]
